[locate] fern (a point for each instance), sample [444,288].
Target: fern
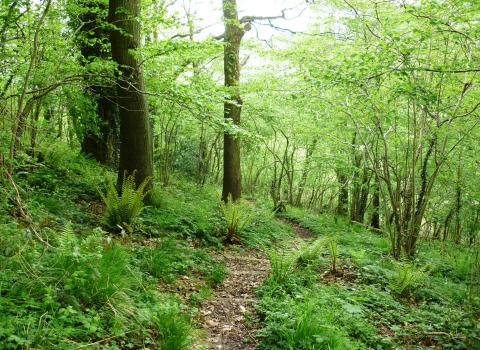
[407,276]
[332,247]
[236,217]
[282,265]
[65,238]
[123,209]
[310,251]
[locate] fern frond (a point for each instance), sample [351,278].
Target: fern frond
[309,252]
[125,208]
[236,216]
[64,238]
[332,247]
[407,276]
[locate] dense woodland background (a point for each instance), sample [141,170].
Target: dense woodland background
[369,116]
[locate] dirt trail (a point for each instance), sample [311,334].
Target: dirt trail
[230,315]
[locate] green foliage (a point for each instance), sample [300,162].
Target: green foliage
[301,325]
[360,302]
[78,292]
[237,217]
[332,247]
[185,210]
[282,265]
[173,327]
[170,259]
[124,208]
[407,276]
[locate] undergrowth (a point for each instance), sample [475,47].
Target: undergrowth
[65,284]
[371,301]
[76,292]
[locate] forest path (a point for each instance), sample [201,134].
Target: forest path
[230,316]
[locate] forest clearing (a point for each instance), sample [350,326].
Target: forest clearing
[290,175]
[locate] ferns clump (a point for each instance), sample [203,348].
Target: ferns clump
[407,276]
[310,252]
[123,209]
[237,217]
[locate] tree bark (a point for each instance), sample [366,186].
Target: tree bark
[342,206]
[101,141]
[232,176]
[136,148]
[306,170]
[375,221]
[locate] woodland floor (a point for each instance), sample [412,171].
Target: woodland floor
[230,316]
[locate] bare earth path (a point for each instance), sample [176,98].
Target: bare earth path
[230,313]
[229,316]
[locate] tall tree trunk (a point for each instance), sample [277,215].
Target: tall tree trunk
[342,205]
[232,176]
[102,141]
[202,157]
[458,204]
[375,221]
[33,127]
[360,188]
[136,148]
[306,170]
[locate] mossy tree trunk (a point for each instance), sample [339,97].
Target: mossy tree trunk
[136,148]
[232,175]
[100,141]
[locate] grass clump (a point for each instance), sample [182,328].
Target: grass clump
[282,265]
[173,327]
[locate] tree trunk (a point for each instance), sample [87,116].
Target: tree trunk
[342,206]
[232,176]
[306,170]
[375,221]
[104,144]
[458,207]
[102,141]
[33,127]
[136,148]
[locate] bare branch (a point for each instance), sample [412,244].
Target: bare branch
[246,19]
[198,31]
